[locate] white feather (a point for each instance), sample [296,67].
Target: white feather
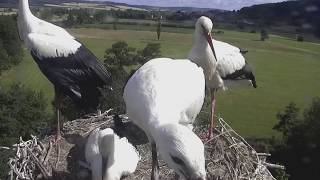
[51,46]
[120,156]
[229,58]
[163,97]
[44,37]
[166,89]
[93,155]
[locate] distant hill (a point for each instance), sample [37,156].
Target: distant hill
[40,2]
[303,14]
[37,2]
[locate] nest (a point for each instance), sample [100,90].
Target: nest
[228,155]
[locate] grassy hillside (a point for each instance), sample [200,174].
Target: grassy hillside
[286,71]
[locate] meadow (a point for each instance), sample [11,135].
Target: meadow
[286,71]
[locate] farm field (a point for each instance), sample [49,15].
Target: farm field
[286,71]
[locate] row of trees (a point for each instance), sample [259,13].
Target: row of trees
[11,51]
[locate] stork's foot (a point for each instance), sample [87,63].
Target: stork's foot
[56,141]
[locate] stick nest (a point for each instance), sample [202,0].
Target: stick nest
[228,155]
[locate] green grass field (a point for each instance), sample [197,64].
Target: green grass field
[286,71]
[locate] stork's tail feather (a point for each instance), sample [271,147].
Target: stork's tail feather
[243,51]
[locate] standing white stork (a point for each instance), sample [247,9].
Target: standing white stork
[104,147]
[231,69]
[163,97]
[69,65]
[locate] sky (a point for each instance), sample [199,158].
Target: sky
[216,4]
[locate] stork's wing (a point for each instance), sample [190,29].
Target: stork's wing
[229,57]
[50,29]
[68,64]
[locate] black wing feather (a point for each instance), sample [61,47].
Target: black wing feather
[77,75]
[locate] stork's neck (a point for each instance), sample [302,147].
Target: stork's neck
[202,55]
[110,173]
[24,8]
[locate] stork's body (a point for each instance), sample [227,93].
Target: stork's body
[69,65]
[104,147]
[231,70]
[163,97]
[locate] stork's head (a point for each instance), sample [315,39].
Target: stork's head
[182,150]
[204,28]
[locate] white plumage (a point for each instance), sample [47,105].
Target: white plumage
[163,97]
[69,65]
[230,67]
[229,58]
[44,33]
[120,157]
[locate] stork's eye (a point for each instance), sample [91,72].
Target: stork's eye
[177,160]
[204,29]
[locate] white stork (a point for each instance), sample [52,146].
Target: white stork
[163,97]
[118,155]
[69,65]
[231,68]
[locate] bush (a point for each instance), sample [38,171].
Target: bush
[118,59]
[300,146]
[152,50]
[22,113]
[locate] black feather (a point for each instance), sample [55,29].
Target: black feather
[77,75]
[244,73]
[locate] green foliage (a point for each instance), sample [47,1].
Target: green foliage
[120,54]
[22,113]
[287,119]
[300,146]
[70,21]
[264,35]
[10,45]
[152,50]
[99,16]
[117,58]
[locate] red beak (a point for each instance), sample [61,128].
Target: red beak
[209,39]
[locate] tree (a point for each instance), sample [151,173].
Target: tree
[159,27]
[22,112]
[116,58]
[152,50]
[70,21]
[10,46]
[264,35]
[300,146]
[120,54]
[287,119]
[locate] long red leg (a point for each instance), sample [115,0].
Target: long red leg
[58,98]
[212,119]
